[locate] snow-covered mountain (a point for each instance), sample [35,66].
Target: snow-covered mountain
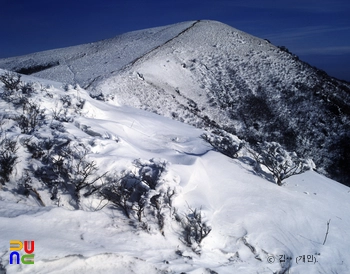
[209,74]
[99,170]
[200,211]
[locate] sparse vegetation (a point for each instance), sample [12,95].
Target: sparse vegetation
[8,157]
[37,68]
[136,193]
[25,187]
[118,191]
[194,228]
[31,117]
[83,173]
[281,163]
[12,82]
[223,143]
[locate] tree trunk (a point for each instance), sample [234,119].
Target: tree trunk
[279,181]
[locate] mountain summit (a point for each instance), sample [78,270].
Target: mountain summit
[213,76]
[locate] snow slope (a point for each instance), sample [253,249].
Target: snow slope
[211,75]
[253,220]
[84,64]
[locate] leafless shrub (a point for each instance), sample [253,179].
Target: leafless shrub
[31,118]
[11,80]
[281,163]
[62,115]
[169,196]
[194,228]
[55,156]
[66,100]
[8,157]
[79,105]
[57,126]
[139,206]
[25,187]
[223,143]
[27,89]
[67,167]
[98,96]
[33,147]
[83,173]
[56,113]
[136,193]
[118,191]
[158,205]
[150,172]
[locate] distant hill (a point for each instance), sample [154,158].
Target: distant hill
[211,75]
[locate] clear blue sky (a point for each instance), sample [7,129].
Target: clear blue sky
[318,31]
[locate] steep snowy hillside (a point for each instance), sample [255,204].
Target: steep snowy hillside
[219,77]
[211,75]
[107,189]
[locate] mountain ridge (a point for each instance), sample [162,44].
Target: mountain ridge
[144,40]
[211,75]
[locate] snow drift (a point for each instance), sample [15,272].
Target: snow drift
[256,225]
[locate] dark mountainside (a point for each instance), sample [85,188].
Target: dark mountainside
[213,76]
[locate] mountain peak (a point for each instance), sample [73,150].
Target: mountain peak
[209,74]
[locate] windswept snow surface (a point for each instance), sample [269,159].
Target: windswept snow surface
[254,222]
